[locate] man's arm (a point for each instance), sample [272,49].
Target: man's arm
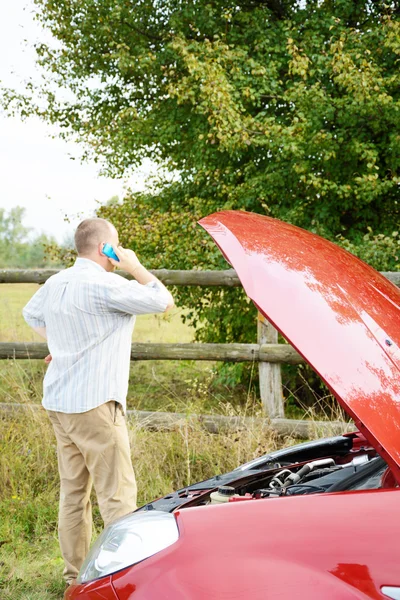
[129,262]
[33,311]
[33,315]
[41,331]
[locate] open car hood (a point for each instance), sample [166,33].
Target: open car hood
[341,315]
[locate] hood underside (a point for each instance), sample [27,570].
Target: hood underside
[341,315]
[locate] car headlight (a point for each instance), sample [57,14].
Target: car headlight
[128,541]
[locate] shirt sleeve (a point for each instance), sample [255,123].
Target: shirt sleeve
[133,298]
[33,312]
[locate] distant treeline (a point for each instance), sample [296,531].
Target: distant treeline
[18,249]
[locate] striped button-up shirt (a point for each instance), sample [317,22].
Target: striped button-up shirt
[89,315]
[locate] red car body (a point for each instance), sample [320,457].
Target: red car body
[344,318]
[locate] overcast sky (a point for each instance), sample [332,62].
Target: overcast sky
[36,171]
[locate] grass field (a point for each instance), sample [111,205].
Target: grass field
[30,563]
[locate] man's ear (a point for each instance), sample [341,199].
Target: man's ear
[100,248]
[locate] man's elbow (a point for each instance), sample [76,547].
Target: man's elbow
[171,303]
[169,306]
[36,324]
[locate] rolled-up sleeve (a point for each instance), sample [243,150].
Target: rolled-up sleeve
[133,298]
[33,312]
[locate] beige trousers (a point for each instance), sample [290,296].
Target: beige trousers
[92,447]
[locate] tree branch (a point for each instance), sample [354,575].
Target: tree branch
[146,34]
[277,7]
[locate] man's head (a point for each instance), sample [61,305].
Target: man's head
[90,237]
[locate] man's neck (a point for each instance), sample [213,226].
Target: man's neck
[99,260]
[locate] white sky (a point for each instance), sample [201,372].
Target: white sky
[36,171]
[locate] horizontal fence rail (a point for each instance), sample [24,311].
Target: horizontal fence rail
[274,353]
[168,277]
[166,421]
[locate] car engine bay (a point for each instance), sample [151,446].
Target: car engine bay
[344,463]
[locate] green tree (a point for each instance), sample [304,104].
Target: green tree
[286,107]
[17,249]
[12,231]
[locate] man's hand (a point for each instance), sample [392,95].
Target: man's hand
[48,359]
[128,261]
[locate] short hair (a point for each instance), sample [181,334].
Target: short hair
[91,232]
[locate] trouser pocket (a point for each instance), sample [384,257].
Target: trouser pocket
[112,406]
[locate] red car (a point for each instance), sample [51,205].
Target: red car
[317,521]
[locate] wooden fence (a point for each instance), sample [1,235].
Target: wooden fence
[267,352]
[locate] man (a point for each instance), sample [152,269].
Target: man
[87,314]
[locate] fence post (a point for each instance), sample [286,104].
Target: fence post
[269,374]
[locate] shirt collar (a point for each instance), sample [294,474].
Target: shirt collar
[87,263]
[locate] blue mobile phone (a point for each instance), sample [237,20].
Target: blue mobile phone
[108,250]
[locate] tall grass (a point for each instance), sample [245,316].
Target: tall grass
[164,460]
